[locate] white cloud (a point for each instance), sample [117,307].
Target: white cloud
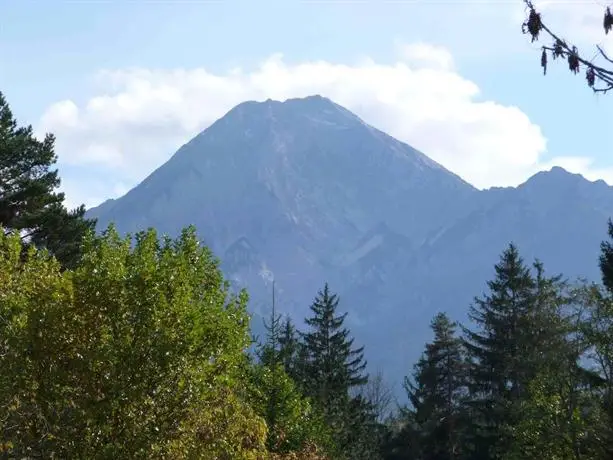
[144,115]
[425,55]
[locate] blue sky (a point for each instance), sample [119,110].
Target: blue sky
[123,83]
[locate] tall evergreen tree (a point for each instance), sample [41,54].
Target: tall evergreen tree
[292,422]
[270,359]
[512,341]
[29,203]
[292,353]
[334,368]
[436,392]
[598,331]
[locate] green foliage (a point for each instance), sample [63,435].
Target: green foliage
[293,424]
[333,366]
[134,354]
[518,332]
[595,329]
[297,423]
[558,419]
[28,203]
[436,393]
[117,347]
[292,355]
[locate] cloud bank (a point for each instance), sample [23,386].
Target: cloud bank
[141,116]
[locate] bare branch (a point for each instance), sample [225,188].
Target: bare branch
[599,78]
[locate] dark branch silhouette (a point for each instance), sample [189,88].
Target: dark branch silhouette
[599,77]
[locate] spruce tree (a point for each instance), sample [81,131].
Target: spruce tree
[291,351]
[29,203]
[513,339]
[333,369]
[269,357]
[436,392]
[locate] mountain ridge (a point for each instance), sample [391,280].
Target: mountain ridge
[303,191]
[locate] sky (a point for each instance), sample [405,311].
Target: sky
[123,83]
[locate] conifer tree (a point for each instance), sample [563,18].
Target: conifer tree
[29,203]
[514,337]
[597,329]
[606,260]
[436,392]
[291,420]
[269,357]
[334,368]
[292,353]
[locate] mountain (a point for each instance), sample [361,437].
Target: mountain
[303,191]
[287,189]
[558,217]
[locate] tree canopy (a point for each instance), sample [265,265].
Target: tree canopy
[29,201]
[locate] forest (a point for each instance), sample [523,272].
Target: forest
[136,346]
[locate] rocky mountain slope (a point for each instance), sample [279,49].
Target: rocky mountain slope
[303,191]
[288,190]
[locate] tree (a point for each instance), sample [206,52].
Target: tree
[606,260]
[333,368]
[516,335]
[598,77]
[292,353]
[436,392]
[293,424]
[379,395]
[28,201]
[270,359]
[297,423]
[559,419]
[597,331]
[137,352]
[560,414]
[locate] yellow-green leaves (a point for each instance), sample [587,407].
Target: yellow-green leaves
[130,355]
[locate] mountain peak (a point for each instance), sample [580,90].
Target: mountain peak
[561,186]
[558,177]
[313,107]
[313,101]
[311,166]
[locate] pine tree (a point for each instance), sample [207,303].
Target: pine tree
[515,337]
[435,393]
[28,201]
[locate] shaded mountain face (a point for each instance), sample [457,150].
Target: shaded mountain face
[303,192]
[557,217]
[285,189]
